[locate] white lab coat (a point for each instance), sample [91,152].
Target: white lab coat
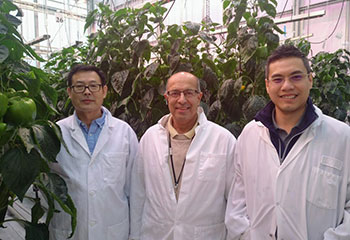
[206,179]
[99,184]
[307,196]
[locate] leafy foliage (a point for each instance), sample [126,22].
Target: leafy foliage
[331,81]
[331,84]
[138,53]
[28,146]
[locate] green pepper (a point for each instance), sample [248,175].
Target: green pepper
[2,128]
[21,111]
[3,104]
[262,52]
[251,22]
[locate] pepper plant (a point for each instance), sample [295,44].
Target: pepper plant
[137,52]
[251,37]
[331,83]
[29,141]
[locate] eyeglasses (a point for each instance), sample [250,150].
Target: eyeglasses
[295,78]
[188,93]
[79,88]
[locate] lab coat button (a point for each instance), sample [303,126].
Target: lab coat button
[277,203]
[92,223]
[92,193]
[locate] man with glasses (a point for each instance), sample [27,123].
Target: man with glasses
[96,164]
[292,163]
[185,168]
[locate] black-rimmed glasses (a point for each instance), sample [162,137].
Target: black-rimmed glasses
[80,88]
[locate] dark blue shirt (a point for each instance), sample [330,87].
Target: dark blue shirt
[283,146]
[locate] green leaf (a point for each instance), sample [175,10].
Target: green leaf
[240,10]
[49,199]
[4,53]
[210,78]
[19,169]
[31,53]
[49,96]
[32,82]
[7,6]
[57,131]
[12,19]
[90,18]
[278,29]
[232,29]
[274,2]
[150,70]
[59,191]
[37,211]
[174,31]
[4,196]
[140,47]
[193,27]
[252,106]
[121,12]
[270,10]
[35,231]
[24,134]
[3,29]
[47,141]
[118,80]
[148,98]
[206,37]
[16,48]
[226,3]
[229,66]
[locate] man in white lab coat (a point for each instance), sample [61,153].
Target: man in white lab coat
[185,169]
[97,168]
[292,171]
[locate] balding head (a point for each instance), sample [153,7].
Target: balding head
[184,75]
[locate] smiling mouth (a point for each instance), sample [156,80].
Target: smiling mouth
[182,109]
[289,96]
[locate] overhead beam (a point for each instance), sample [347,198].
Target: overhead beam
[38,39]
[299,17]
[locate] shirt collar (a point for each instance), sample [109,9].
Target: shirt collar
[174,133]
[265,116]
[99,121]
[276,125]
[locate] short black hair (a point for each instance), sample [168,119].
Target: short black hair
[286,51]
[85,68]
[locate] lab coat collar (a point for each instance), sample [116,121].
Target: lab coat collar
[78,135]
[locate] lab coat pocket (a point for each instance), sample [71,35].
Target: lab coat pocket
[118,231]
[211,166]
[323,188]
[113,165]
[216,231]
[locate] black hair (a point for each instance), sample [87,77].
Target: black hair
[286,51]
[85,68]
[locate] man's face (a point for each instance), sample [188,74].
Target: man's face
[183,109]
[288,86]
[87,101]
